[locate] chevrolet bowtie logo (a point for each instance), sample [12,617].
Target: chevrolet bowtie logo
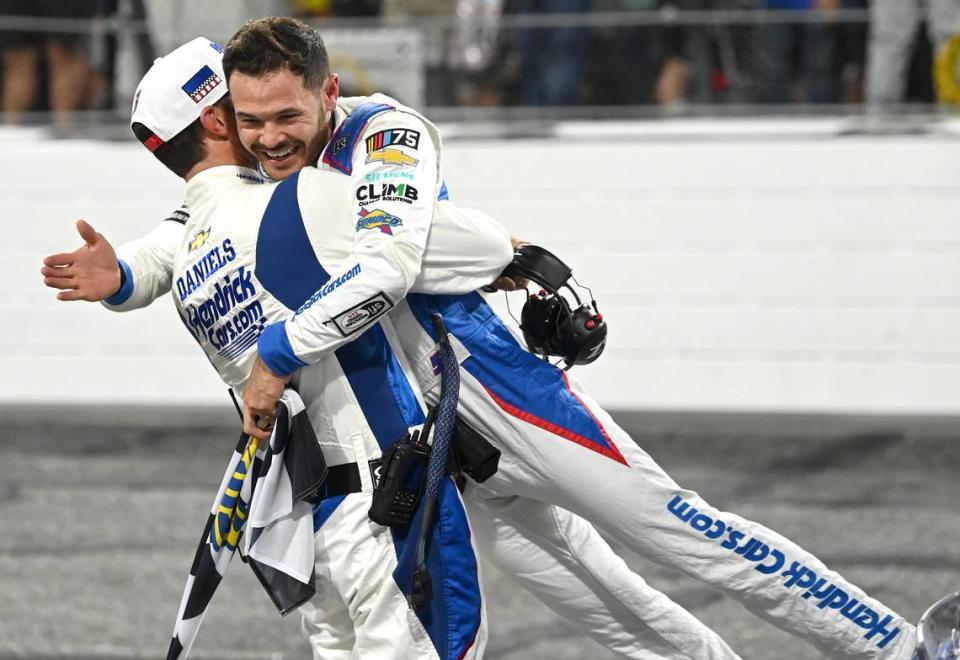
[199,239]
[391,157]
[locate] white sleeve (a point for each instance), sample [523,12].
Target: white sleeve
[395,181]
[466,250]
[147,264]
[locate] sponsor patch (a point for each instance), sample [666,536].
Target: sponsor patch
[198,240]
[378,219]
[181,215]
[376,471]
[201,84]
[329,287]
[212,261]
[386,192]
[795,578]
[391,157]
[340,145]
[362,315]
[402,137]
[229,318]
[373,177]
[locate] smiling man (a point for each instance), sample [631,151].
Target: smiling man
[561,451]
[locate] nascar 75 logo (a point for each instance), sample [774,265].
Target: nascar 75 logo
[403,137]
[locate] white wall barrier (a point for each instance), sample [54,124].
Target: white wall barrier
[766,274]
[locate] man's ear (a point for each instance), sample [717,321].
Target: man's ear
[331,90]
[214,122]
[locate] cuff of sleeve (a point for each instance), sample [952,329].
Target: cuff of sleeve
[126,286]
[276,352]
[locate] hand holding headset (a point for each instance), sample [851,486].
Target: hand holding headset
[550,325]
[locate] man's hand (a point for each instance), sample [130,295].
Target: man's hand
[88,273]
[260,397]
[507,283]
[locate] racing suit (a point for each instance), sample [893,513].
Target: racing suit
[560,447]
[252,255]
[554,554]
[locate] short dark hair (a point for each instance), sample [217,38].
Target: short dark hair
[185,149]
[269,44]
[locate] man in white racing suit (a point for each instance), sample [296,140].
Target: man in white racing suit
[255,254]
[559,447]
[557,556]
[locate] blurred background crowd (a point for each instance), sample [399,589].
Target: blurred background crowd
[628,57]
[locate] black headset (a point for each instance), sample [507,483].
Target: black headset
[550,325]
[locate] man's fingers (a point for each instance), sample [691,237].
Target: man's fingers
[60,282]
[504,284]
[87,232]
[61,259]
[256,425]
[58,271]
[72,295]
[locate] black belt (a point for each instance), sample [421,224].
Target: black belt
[343,480]
[475,456]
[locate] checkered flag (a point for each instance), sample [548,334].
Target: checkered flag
[219,541]
[269,490]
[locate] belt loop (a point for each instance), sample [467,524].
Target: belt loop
[363,463]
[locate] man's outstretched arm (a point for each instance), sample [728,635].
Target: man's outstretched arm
[91,272]
[130,277]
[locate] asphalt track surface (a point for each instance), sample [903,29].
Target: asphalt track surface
[101,510]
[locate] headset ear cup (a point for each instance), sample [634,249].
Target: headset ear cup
[584,337]
[540,321]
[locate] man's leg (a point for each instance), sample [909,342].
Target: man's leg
[563,561]
[618,487]
[559,446]
[893,24]
[363,571]
[19,79]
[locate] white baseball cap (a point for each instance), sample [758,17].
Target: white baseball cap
[177,87]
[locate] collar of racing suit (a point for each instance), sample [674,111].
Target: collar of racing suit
[205,184]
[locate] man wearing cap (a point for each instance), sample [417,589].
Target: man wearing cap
[558,445]
[255,254]
[556,555]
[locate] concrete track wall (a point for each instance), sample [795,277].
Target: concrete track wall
[742,270]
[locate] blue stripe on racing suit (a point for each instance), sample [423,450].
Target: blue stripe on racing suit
[452,615]
[521,384]
[286,264]
[382,391]
[292,273]
[339,151]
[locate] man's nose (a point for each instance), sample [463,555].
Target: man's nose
[273,135]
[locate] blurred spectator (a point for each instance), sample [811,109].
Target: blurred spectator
[636,64]
[803,54]
[552,60]
[308,8]
[893,27]
[65,55]
[462,65]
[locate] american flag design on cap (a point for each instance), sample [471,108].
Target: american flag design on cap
[201,84]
